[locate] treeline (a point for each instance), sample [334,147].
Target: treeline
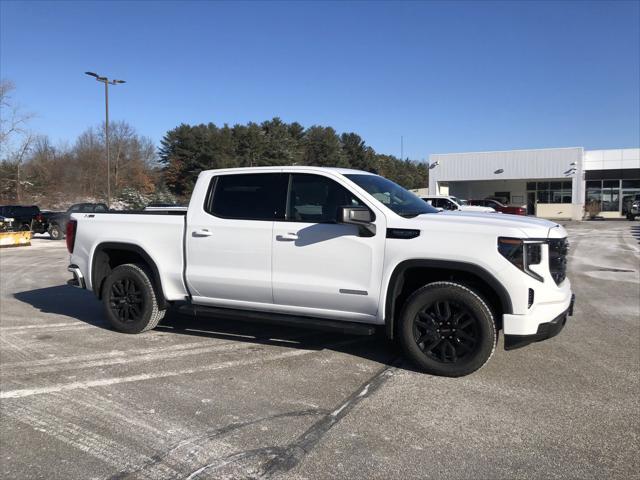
[55,176]
[188,149]
[33,171]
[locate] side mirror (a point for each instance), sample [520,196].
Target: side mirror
[360,216]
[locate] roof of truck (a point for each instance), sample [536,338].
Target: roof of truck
[280,168]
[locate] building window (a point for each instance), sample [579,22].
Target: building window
[551,192]
[611,195]
[594,192]
[630,188]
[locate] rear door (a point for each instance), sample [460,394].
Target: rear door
[229,237]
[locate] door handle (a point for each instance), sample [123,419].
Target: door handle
[203,232]
[287,237]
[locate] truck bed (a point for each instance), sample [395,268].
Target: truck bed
[159,234]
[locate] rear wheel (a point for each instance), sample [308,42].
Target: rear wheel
[129,299]
[55,232]
[447,329]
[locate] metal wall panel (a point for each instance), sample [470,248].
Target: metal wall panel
[622,158]
[516,164]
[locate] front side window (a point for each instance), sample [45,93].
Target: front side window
[317,199]
[259,196]
[392,195]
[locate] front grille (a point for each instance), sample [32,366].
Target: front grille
[558,249]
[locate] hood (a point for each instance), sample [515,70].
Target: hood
[502,225]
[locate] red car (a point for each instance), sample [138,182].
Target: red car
[498,206]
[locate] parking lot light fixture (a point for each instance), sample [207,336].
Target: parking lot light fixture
[106,82]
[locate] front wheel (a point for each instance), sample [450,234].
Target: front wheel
[447,329]
[130,301]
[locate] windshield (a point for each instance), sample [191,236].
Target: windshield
[392,195]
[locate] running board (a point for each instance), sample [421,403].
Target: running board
[349,328]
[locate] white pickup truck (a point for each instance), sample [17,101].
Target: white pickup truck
[334,249]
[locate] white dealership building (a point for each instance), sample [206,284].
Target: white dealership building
[551,182]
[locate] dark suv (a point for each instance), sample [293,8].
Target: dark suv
[25,217]
[58,222]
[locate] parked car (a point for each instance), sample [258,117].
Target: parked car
[634,208]
[57,223]
[499,206]
[332,249]
[25,217]
[446,202]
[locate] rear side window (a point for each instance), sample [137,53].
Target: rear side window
[316,199]
[26,211]
[259,196]
[100,208]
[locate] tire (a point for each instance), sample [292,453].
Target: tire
[447,329]
[25,227]
[56,232]
[130,301]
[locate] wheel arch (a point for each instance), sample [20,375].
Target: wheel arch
[407,277]
[108,255]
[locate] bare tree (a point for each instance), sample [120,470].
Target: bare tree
[13,120]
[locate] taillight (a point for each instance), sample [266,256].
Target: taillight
[72,226]
[39,217]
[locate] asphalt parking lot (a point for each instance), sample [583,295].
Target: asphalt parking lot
[213,399]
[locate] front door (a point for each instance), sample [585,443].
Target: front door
[229,239]
[328,269]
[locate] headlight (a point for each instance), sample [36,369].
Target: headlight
[522,253]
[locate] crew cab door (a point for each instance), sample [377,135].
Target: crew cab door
[229,238]
[321,267]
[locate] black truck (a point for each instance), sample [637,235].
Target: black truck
[58,221]
[25,217]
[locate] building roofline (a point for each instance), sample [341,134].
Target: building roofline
[515,150]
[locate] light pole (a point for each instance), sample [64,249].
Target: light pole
[106,82]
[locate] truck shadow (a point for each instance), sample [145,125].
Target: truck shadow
[83,306]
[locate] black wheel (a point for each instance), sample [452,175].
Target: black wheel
[25,227]
[56,232]
[130,301]
[447,329]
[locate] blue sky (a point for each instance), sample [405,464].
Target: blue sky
[448,76]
